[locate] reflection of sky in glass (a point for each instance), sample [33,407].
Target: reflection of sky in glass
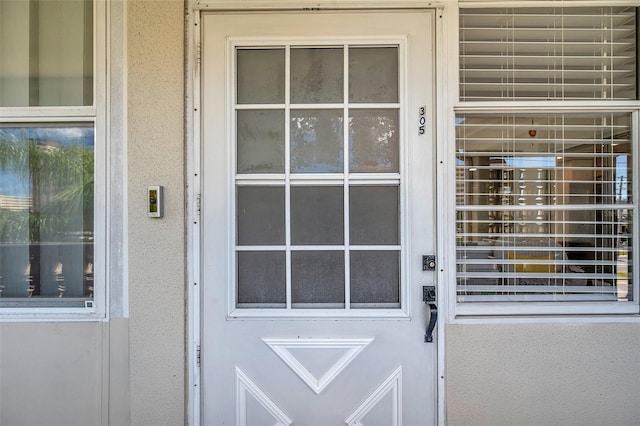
[529,162]
[621,178]
[56,135]
[316,142]
[14,183]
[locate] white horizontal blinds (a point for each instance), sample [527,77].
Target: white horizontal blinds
[548,53]
[544,207]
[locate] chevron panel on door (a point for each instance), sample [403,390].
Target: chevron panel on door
[253,406]
[383,406]
[335,354]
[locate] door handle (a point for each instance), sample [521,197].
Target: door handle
[429,297]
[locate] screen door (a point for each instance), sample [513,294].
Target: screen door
[317,209]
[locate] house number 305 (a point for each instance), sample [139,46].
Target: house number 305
[422,120]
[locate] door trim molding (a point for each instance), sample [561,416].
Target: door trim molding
[192,214]
[193,14]
[312,5]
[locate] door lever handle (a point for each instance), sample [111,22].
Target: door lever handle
[429,297]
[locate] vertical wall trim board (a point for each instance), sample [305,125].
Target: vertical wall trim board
[34,52]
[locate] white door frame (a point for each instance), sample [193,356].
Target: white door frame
[442,133]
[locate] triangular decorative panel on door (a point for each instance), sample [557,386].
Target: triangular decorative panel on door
[343,351]
[392,387]
[248,395]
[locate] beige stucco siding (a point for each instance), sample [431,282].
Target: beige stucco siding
[544,374]
[155,75]
[51,373]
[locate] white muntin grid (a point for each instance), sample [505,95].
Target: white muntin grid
[346,180]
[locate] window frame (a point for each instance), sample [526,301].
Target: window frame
[96,114]
[526,310]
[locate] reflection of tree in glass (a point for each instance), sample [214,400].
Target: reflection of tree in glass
[59,178]
[373,141]
[316,142]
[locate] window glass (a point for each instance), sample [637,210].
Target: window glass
[46,53]
[260,76]
[317,279]
[374,215]
[260,215]
[373,74]
[375,140]
[317,215]
[260,136]
[317,75]
[544,207]
[261,279]
[548,53]
[317,138]
[375,278]
[46,213]
[318,184]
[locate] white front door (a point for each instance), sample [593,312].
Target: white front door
[318,206]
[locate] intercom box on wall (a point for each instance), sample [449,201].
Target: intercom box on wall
[155,201]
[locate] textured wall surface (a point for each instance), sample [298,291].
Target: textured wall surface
[155,37]
[551,374]
[51,374]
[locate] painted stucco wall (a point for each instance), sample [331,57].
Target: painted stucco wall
[64,373]
[155,40]
[77,372]
[544,374]
[51,374]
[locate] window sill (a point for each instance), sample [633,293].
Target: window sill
[318,314]
[50,315]
[539,318]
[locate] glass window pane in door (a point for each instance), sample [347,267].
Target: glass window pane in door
[375,276]
[373,74]
[260,214]
[374,215]
[261,278]
[317,141]
[46,53]
[317,277]
[317,75]
[260,141]
[260,74]
[374,143]
[317,215]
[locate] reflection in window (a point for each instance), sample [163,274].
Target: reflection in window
[46,212]
[46,53]
[373,74]
[260,136]
[317,199]
[544,207]
[316,141]
[374,140]
[317,75]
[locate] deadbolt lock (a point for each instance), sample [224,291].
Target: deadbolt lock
[429,263]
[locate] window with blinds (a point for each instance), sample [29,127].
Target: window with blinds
[548,53]
[544,207]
